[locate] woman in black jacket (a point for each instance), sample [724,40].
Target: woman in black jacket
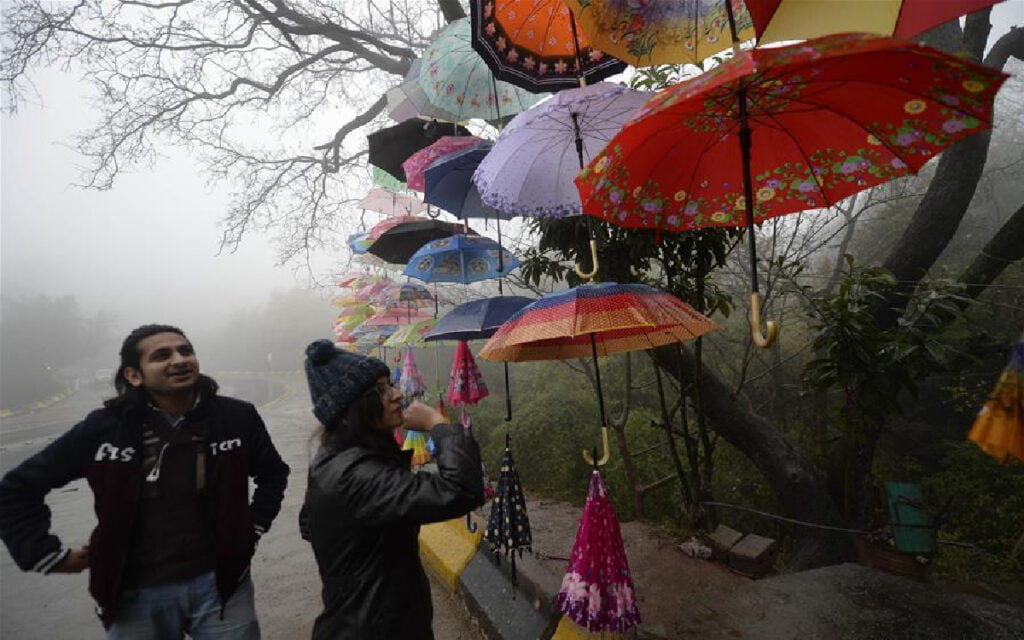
[364,507]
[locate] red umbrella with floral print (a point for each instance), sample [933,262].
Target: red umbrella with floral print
[466,385]
[597,590]
[775,131]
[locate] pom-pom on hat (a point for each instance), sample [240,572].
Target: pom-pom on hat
[337,377]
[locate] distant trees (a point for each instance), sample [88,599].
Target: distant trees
[40,339]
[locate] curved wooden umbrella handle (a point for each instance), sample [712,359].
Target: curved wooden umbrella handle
[763,340]
[593,262]
[603,460]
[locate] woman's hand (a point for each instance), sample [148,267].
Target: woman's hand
[76,561]
[422,417]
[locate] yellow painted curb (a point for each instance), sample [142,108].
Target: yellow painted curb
[447,547]
[569,630]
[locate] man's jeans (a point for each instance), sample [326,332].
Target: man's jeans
[169,611]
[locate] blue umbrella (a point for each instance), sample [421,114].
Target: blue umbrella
[477,320]
[449,184]
[460,258]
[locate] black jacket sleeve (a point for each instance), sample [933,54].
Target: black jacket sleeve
[379,493]
[270,474]
[24,516]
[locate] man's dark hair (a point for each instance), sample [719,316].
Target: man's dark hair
[131,356]
[358,426]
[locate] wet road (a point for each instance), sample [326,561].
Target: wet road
[58,607]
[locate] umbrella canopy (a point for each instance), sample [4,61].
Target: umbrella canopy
[778,20]
[999,427]
[391,146]
[399,241]
[411,334]
[477,319]
[649,33]
[597,589]
[411,383]
[358,279]
[422,159]
[408,100]
[461,258]
[391,204]
[385,180]
[359,242]
[812,124]
[595,319]
[416,442]
[455,78]
[466,385]
[534,44]
[414,292]
[448,183]
[397,317]
[508,527]
[530,170]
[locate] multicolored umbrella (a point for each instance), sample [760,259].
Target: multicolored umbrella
[416,441]
[779,20]
[508,527]
[397,317]
[597,589]
[530,169]
[645,33]
[830,117]
[391,204]
[410,335]
[397,239]
[448,184]
[461,258]
[466,385]
[359,242]
[391,146]
[455,78]
[411,384]
[999,427]
[534,44]
[418,162]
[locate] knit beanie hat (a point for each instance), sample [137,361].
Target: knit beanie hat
[337,377]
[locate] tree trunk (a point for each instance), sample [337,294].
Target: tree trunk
[800,492]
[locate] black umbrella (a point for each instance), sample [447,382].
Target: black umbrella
[398,244]
[508,527]
[391,146]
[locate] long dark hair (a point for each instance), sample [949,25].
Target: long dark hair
[358,426]
[129,397]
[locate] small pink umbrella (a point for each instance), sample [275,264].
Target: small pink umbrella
[597,590]
[466,385]
[411,383]
[419,162]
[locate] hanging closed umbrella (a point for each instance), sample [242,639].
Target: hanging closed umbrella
[786,129]
[455,78]
[462,259]
[534,44]
[999,427]
[418,162]
[466,385]
[416,441]
[391,146]
[411,384]
[652,33]
[597,589]
[530,169]
[508,527]
[402,237]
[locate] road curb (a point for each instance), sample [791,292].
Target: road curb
[505,605]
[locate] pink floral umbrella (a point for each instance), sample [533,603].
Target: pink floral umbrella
[597,590]
[419,162]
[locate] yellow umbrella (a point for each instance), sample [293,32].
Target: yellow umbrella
[999,427]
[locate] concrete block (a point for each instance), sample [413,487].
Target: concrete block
[753,555]
[489,596]
[722,539]
[447,547]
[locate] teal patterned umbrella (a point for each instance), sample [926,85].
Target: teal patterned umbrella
[455,78]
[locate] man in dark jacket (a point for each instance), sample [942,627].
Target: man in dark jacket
[364,507]
[169,462]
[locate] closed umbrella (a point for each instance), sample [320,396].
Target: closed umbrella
[999,427]
[597,589]
[411,383]
[508,526]
[466,386]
